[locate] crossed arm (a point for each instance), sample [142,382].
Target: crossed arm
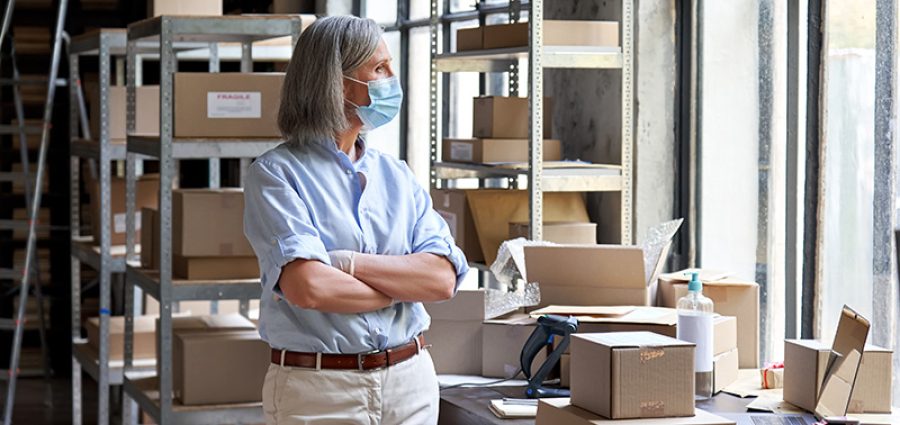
[377,281]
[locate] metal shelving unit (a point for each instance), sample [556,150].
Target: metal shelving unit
[154,394]
[538,57]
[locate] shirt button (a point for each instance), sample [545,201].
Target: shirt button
[349,172]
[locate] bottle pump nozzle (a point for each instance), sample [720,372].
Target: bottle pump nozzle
[695,284]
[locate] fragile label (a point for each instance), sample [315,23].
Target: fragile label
[119,222]
[460,151]
[233,104]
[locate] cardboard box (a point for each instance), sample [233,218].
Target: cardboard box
[215,268]
[195,235]
[150,245]
[624,375]
[228,104]
[455,333]
[724,334]
[493,210]
[452,205]
[557,232]
[731,297]
[502,342]
[556,33]
[202,324]
[560,411]
[596,319]
[219,368]
[603,275]
[146,196]
[565,370]
[499,117]
[725,370]
[146,115]
[489,151]
[180,7]
[144,336]
[469,39]
[805,362]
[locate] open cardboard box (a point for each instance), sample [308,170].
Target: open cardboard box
[842,367]
[592,275]
[592,319]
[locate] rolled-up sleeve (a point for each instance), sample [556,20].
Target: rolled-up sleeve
[278,224]
[431,233]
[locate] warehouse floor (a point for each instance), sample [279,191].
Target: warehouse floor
[31,407]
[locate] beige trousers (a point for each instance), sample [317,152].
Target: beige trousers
[406,393]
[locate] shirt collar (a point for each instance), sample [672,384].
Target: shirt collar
[330,145]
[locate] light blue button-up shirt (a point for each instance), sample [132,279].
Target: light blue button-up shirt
[301,202]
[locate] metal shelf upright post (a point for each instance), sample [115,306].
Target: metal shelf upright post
[154,395]
[540,57]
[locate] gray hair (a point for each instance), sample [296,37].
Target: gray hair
[312,98]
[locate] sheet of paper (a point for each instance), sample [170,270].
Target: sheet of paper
[878,419]
[748,385]
[773,403]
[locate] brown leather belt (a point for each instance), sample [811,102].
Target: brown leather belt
[361,361]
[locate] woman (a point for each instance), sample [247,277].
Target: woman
[348,244]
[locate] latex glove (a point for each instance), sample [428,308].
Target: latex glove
[342,259]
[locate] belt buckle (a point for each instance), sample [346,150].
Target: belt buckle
[359,360]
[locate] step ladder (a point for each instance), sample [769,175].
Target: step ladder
[33,193]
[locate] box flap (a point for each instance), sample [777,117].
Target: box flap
[708,277]
[560,411]
[632,340]
[611,266]
[584,311]
[843,364]
[645,315]
[515,319]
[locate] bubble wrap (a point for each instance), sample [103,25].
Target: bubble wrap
[659,239]
[509,271]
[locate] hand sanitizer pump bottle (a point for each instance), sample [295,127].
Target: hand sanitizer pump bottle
[695,324]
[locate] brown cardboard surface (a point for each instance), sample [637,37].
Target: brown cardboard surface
[502,342]
[493,151]
[144,336]
[150,245]
[215,267]
[467,304]
[843,364]
[219,368]
[493,210]
[595,319]
[632,375]
[455,346]
[588,275]
[805,363]
[725,370]
[558,232]
[724,334]
[192,108]
[731,297]
[181,7]
[499,117]
[146,195]
[146,114]
[453,206]
[204,324]
[560,411]
[556,33]
[469,39]
[209,223]
[565,370]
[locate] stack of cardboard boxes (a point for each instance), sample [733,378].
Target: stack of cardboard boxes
[500,128]
[204,248]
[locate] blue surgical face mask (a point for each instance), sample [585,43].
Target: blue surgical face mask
[386,96]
